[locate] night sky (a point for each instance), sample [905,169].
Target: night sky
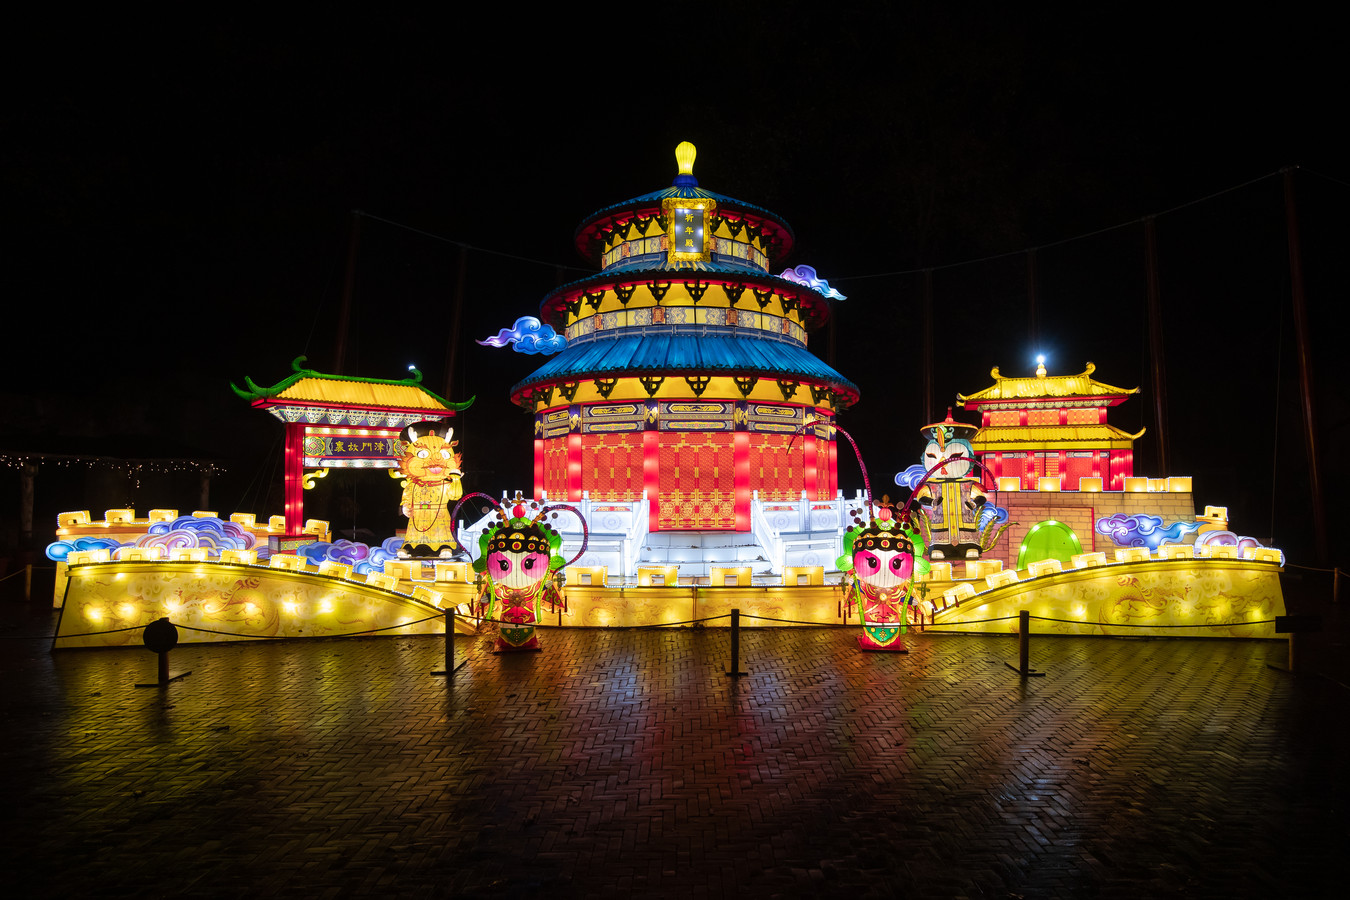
[181,197]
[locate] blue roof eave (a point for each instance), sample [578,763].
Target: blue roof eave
[656,354]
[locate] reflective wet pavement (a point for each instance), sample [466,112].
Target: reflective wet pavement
[622,762]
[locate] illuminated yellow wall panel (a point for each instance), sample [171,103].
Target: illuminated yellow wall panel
[268,603]
[1218,597]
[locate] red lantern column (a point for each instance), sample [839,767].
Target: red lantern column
[810,468]
[574,454]
[651,476]
[295,477]
[539,485]
[740,455]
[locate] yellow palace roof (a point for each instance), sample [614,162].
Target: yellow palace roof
[360,393]
[995,438]
[1042,386]
[306,386]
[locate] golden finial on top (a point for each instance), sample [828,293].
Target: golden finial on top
[684,157]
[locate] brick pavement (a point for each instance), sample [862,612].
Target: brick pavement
[623,762]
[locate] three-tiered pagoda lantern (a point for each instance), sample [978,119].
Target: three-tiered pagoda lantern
[686,373]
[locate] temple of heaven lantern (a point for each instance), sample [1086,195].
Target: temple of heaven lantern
[686,372]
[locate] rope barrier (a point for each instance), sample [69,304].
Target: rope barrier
[284,637]
[623,627]
[1132,625]
[96,633]
[1335,569]
[973,621]
[746,615]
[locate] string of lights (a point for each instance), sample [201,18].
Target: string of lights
[897,272]
[133,469]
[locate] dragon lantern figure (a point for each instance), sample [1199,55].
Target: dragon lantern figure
[883,558]
[430,466]
[520,562]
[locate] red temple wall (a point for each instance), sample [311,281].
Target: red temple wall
[611,466]
[698,480]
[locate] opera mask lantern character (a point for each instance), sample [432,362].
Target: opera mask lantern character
[884,558]
[518,559]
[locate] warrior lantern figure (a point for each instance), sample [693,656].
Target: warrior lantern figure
[430,466]
[959,520]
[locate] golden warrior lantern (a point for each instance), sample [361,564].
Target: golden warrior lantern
[959,522]
[430,466]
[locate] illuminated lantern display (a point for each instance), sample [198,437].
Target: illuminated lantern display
[430,467]
[519,560]
[957,519]
[338,421]
[685,372]
[1052,426]
[883,557]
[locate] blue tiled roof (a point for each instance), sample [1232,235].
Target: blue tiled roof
[551,314]
[585,232]
[675,353]
[688,192]
[720,264]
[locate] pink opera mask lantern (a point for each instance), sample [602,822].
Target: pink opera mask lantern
[519,562]
[884,558]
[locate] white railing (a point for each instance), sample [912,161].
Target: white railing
[767,536]
[636,535]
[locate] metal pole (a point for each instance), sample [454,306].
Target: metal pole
[1305,371]
[28,582]
[450,642]
[163,666]
[348,290]
[1293,652]
[1155,343]
[928,345]
[735,644]
[1033,332]
[457,307]
[735,640]
[451,616]
[1023,641]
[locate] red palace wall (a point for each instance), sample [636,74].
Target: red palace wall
[1112,466]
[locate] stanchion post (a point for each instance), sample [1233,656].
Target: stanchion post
[451,616]
[450,642]
[1023,641]
[159,637]
[735,670]
[1294,626]
[28,582]
[1023,666]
